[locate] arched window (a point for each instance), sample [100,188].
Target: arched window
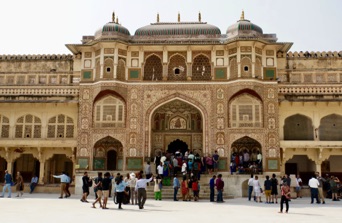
[246,66]
[330,128]
[108,68]
[201,68]
[4,130]
[177,70]
[60,126]
[28,126]
[245,112]
[298,127]
[153,68]
[109,112]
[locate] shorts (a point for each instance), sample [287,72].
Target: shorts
[105,193]
[85,189]
[99,193]
[298,189]
[267,193]
[274,192]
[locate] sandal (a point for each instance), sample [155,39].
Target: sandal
[93,205]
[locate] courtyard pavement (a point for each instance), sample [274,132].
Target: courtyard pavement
[48,208]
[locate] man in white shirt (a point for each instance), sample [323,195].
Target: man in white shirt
[160,170]
[140,187]
[313,184]
[250,187]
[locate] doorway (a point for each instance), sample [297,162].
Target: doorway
[177,145]
[111,160]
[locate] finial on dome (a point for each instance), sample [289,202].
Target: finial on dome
[199,17]
[242,15]
[178,17]
[117,20]
[158,17]
[113,17]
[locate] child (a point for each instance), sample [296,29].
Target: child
[195,189]
[184,188]
[157,188]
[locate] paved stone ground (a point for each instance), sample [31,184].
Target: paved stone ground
[48,208]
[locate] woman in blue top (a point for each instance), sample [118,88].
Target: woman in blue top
[120,190]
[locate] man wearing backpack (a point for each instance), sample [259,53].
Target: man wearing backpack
[8,184]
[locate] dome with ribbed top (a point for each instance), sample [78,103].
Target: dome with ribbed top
[112,28]
[244,28]
[178,28]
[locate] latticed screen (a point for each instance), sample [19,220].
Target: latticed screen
[28,126]
[4,121]
[120,70]
[201,68]
[60,126]
[245,112]
[109,113]
[153,69]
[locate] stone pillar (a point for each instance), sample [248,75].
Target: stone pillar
[189,74]
[165,70]
[9,167]
[318,166]
[41,171]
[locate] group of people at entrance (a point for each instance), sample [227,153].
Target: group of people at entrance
[18,183]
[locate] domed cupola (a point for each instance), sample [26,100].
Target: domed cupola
[172,29]
[112,29]
[244,28]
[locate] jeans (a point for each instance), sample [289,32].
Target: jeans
[32,186]
[219,196]
[250,190]
[282,201]
[314,195]
[175,191]
[212,194]
[7,186]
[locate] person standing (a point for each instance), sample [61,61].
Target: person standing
[33,184]
[250,187]
[176,186]
[140,187]
[285,197]
[64,180]
[321,181]
[148,171]
[257,189]
[216,158]
[195,189]
[19,184]
[120,190]
[274,190]
[184,167]
[134,197]
[212,188]
[160,170]
[219,188]
[267,188]
[209,162]
[157,188]
[156,162]
[86,183]
[299,184]
[313,184]
[98,189]
[333,185]
[184,189]
[8,184]
[106,181]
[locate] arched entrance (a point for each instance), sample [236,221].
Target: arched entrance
[177,145]
[244,152]
[176,125]
[107,153]
[302,165]
[27,165]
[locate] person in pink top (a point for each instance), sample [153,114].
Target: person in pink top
[285,196]
[209,162]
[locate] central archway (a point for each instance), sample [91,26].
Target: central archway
[106,154]
[174,122]
[244,152]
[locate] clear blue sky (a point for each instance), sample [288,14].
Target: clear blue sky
[45,26]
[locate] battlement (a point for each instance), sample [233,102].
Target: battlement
[311,54]
[37,57]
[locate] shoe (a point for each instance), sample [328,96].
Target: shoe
[120,208]
[323,202]
[86,201]
[60,197]
[93,205]
[80,200]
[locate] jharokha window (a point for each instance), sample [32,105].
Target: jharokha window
[109,112]
[245,112]
[60,126]
[4,130]
[28,126]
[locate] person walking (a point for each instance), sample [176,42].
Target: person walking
[212,188]
[120,190]
[8,184]
[64,180]
[140,187]
[321,181]
[285,197]
[19,185]
[98,189]
[106,182]
[219,188]
[313,184]
[176,186]
[33,184]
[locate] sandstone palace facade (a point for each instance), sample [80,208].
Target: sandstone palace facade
[118,99]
